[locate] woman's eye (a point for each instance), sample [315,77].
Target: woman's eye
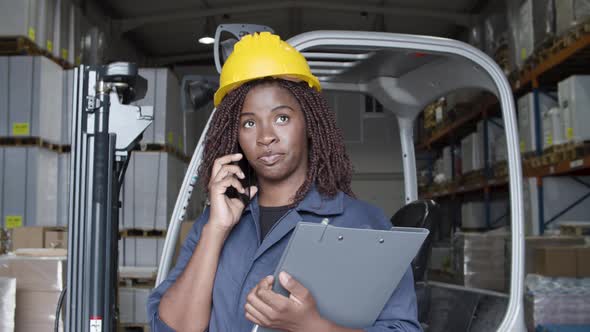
[282,119]
[249,124]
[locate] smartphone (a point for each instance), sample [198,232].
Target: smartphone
[246,182]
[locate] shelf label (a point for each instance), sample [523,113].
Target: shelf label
[13,221]
[49,46]
[64,54]
[20,129]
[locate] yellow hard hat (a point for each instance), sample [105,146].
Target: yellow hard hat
[262,55]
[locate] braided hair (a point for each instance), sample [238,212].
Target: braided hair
[329,167]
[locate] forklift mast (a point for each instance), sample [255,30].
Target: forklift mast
[105,128]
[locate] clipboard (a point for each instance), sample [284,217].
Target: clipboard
[350,272]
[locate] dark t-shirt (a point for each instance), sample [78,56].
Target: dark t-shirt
[269,215]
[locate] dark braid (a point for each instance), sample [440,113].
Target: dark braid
[329,166]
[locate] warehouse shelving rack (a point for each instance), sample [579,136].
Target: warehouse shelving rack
[566,56]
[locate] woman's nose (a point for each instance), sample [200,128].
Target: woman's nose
[267,136]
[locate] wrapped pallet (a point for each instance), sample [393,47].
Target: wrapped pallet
[556,301]
[19,18]
[30,187]
[31,98]
[152,182]
[7,303]
[40,281]
[530,22]
[574,100]
[471,154]
[569,13]
[526,119]
[163,93]
[479,259]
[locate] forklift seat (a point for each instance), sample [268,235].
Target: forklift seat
[420,214]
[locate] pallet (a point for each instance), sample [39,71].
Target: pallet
[500,169]
[31,141]
[134,327]
[19,45]
[155,147]
[472,177]
[138,232]
[580,228]
[137,282]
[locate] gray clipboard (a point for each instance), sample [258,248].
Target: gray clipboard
[350,272]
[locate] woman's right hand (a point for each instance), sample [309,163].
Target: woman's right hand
[225,212]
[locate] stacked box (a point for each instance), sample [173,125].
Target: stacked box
[495,131]
[67,108]
[531,22]
[40,281]
[447,163]
[61,25]
[440,258]
[75,32]
[163,94]
[19,18]
[31,186]
[574,100]
[526,119]
[133,305]
[152,183]
[63,189]
[7,303]
[556,301]
[495,33]
[471,154]
[34,97]
[140,251]
[553,127]
[479,259]
[45,18]
[568,13]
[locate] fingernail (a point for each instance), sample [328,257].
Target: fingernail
[284,277]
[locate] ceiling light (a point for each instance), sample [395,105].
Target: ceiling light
[206,40]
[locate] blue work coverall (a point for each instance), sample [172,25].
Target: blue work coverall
[246,259]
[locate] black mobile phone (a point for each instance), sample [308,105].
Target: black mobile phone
[246,182]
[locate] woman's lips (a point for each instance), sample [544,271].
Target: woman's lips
[270,159]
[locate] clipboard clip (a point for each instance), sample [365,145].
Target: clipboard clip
[326,223]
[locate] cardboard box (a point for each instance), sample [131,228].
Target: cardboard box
[556,261]
[583,262]
[36,274]
[39,237]
[28,237]
[56,239]
[534,242]
[36,308]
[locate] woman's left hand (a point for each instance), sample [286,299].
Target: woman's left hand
[296,313]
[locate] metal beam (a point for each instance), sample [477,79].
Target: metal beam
[171,59]
[460,19]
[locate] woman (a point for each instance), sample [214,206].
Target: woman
[293,166]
